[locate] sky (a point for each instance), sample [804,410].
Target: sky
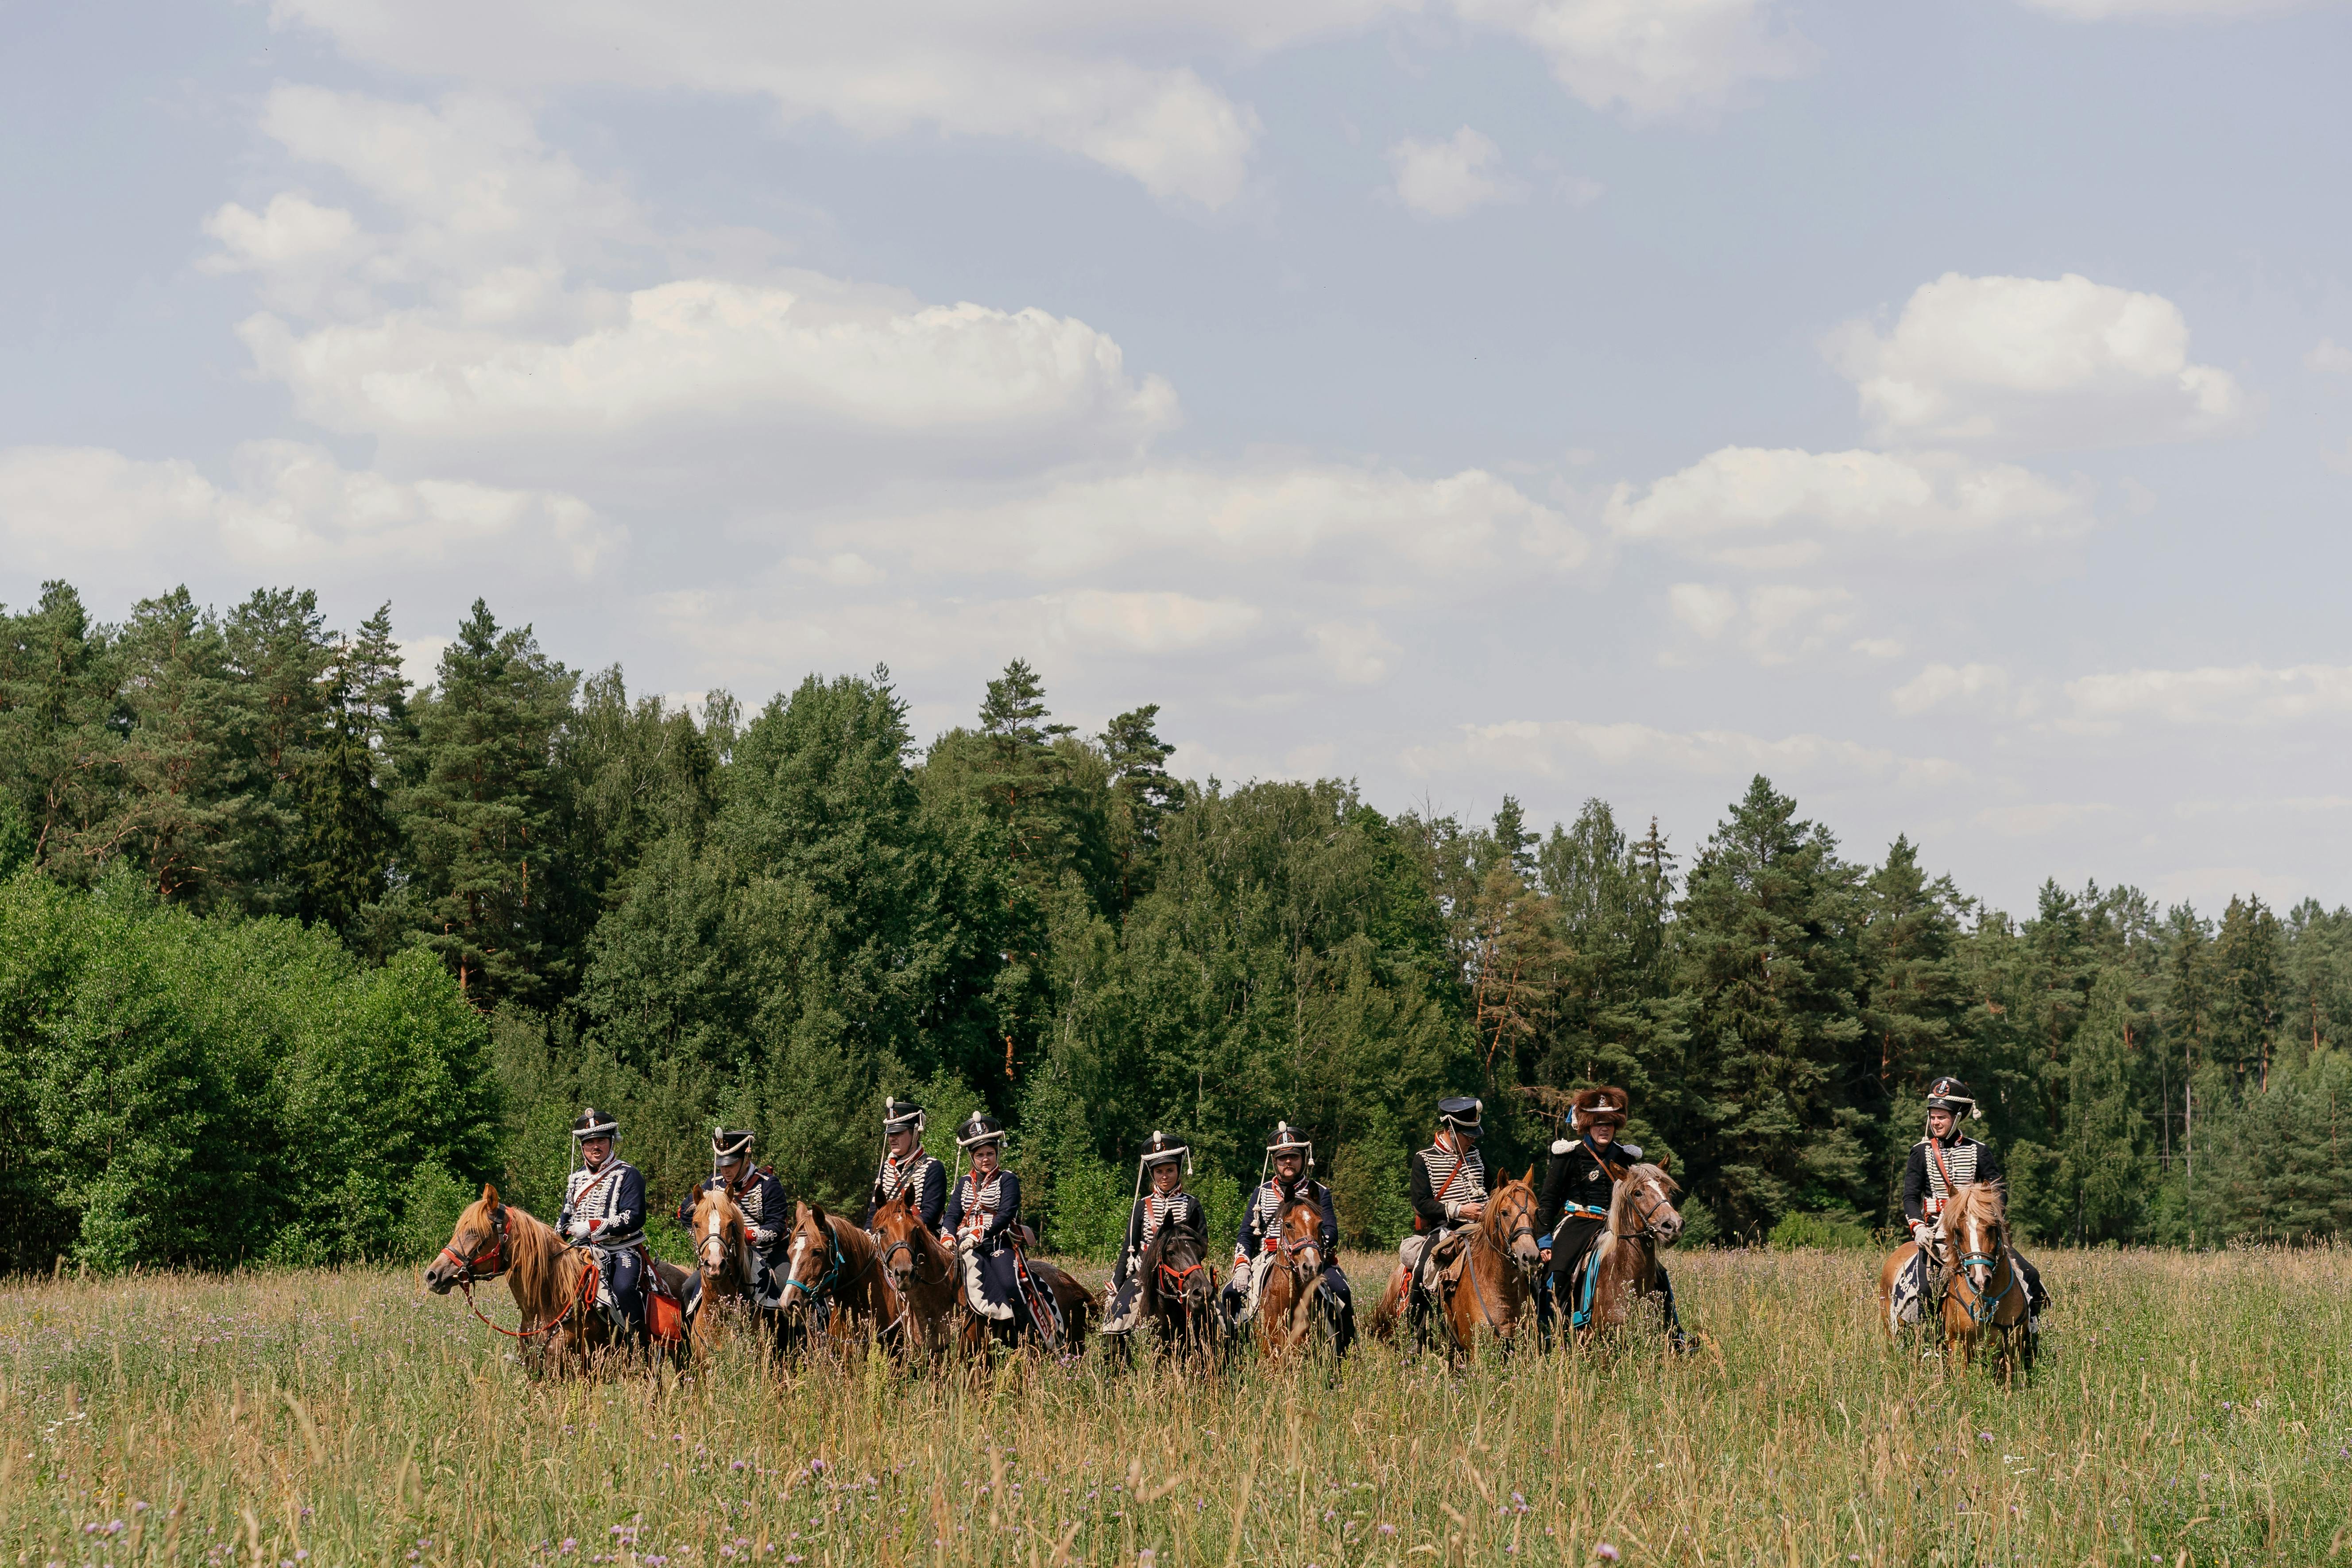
[1944,409]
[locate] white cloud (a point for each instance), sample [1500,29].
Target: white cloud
[2029,361]
[291,506]
[1153,622]
[1777,622]
[1446,179]
[2235,694]
[2329,357]
[1945,686]
[2163,10]
[1703,609]
[2034,821]
[1654,58]
[1547,748]
[1739,492]
[1354,651]
[841,569]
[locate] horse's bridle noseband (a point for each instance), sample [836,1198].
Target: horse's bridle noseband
[468,1271]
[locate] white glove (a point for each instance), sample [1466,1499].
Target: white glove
[764,1237]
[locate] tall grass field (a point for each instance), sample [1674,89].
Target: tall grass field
[2189,1408]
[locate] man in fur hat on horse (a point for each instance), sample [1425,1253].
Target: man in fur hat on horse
[605,1210]
[756,1191]
[1291,1155]
[1944,1159]
[907,1164]
[1167,1207]
[1580,1177]
[1449,1195]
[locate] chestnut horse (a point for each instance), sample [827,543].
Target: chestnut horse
[922,1270]
[1986,1295]
[1286,1309]
[1624,1264]
[553,1285]
[1497,1274]
[723,1247]
[831,1260]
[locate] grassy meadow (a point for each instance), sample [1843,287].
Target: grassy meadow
[2190,1409]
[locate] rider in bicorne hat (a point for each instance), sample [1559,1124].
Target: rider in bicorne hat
[982,1220]
[604,1208]
[1164,1206]
[1944,1159]
[907,1166]
[1579,1178]
[1292,1156]
[1449,1190]
[755,1191]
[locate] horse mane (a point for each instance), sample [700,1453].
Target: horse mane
[534,1262]
[1984,1200]
[1635,1175]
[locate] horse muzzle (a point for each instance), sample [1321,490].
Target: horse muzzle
[440,1279]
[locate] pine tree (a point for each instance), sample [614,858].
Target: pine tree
[350,841]
[183,804]
[478,821]
[277,653]
[2107,1166]
[1909,939]
[1143,795]
[62,730]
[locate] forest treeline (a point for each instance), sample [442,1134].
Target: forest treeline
[296,945]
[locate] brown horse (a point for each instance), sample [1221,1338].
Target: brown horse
[1500,1259]
[922,1271]
[553,1285]
[1178,1294]
[1287,1312]
[832,1262]
[723,1247]
[1625,1265]
[1986,1295]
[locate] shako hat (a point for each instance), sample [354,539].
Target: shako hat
[1950,1094]
[1593,1107]
[1285,1137]
[730,1145]
[1461,1113]
[899,1115]
[593,1123]
[1161,1147]
[979,1128]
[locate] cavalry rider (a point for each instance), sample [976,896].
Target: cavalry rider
[906,1164]
[755,1191]
[604,1206]
[983,1218]
[1449,1190]
[1166,1207]
[1293,1154]
[1947,1158]
[1579,1181]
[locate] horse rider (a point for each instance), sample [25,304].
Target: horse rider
[1449,1192]
[1293,1155]
[605,1210]
[983,1218]
[756,1192]
[1167,1207]
[1580,1177]
[1947,1158]
[906,1164]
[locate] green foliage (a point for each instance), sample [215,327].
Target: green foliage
[1836,1230]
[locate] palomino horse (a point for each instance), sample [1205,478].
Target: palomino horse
[1986,1296]
[554,1285]
[1624,1268]
[723,1247]
[922,1270]
[1497,1274]
[1178,1294]
[831,1260]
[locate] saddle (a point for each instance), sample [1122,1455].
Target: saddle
[667,1312]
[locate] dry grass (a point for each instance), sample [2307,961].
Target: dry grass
[2187,1404]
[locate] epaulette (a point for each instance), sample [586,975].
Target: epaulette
[1561,1145]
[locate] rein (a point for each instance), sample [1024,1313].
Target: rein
[497,1251]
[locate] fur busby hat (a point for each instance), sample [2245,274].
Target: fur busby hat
[1462,1113]
[1950,1094]
[729,1145]
[1161,1147]
[593,1123]
[1592,1107]
[899,1115]
[979,1128]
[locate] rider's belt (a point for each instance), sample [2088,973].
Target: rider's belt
[1584,1208]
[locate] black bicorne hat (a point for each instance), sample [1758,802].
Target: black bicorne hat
[1462,1113]
[727,1145]
[899,1115]
[593,1123]
[1950,1094]
[979,1128]
[1161,1147]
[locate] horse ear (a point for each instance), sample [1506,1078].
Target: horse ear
[489,1195]
[1530,1177]
[1665,1161]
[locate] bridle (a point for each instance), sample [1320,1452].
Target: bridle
[1525,1227]
[469,1273]
[1980,1308]
[1649,1201]
[710,1248]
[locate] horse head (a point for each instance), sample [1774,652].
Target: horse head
[1299,1231]
[900,1236]
[1976,1221]
[723,1238]
[477,1246]
[1510,1223]
[813,1261]
[1642,1204]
